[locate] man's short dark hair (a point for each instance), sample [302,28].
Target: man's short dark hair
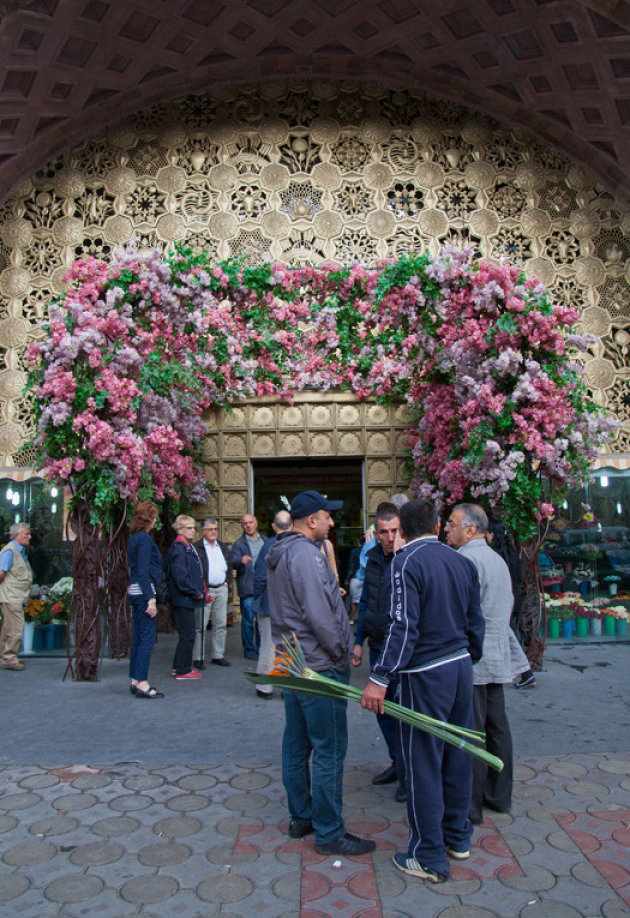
[384,508]
[386,516]
[418,518]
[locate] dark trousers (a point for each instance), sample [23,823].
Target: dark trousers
[438,776]
[185,624]
[492,788]
[388,724]
[144,631]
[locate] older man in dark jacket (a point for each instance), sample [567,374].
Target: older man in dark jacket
[304,599]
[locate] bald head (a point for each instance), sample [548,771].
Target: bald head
[281,521]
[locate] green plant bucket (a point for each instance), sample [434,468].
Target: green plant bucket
[553,629]
[609,625]
[581,627]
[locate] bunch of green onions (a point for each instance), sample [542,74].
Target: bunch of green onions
[290,672]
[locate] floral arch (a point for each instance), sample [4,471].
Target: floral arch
[141,345]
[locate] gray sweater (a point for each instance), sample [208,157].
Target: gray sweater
[496,604]
[304,599]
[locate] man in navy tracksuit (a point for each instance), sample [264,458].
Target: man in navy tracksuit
[435,636]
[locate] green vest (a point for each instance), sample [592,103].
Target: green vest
[18,581]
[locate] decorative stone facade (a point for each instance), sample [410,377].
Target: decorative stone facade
[314,426]
[308,172]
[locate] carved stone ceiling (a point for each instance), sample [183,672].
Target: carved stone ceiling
[560,69]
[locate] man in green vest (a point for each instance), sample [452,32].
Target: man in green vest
[16,579]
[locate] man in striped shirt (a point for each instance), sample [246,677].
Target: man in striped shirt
[436,634]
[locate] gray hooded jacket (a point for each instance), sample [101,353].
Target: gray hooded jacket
[304,598]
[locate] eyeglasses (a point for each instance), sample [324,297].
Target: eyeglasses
[450,524]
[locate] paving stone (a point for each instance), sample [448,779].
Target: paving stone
[113,826]
[613,908]
[614,766]
[357,778]
[143,782]
[467,911]
[246,802]
[523,773]
[74,888]
[186,803]
[97,853]
[12,886]
[532,792]
[54,825]
[197,782]
[587,874]
[29,853]
[518,844]
[92,782]
[566,769]
[178,826]
[225,887]
[129,803]
[72,803]
[149,889]
[249,781]
[38,782]
[225,854]
[164,853]
[587,789]
[535,879]
[549,909]
[7,823]
[562,841]
[546,814]
[19,801]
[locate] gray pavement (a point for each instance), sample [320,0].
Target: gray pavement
[113,806]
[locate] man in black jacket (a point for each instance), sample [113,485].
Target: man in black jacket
[373,623]
[217,575]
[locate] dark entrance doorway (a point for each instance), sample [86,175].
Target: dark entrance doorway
[339,479]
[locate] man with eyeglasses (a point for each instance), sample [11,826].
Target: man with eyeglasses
[466,531]
[435,635]
[217,574]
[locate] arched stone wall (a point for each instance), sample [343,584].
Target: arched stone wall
[308,172]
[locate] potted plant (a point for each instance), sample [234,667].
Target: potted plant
[612,580]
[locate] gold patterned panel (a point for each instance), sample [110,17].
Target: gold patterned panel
[378,471]
[291,444]
[264,416]
[304,173]
[351,443]
[234,474]
[233,503]
[322,444]
[263,446]
[233,446]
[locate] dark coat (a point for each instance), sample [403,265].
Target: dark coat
[373,622]
[229,576]
[145,564]
[184,576]
[244,572]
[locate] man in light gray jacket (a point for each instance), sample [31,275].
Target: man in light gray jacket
[304,599]
[465,530]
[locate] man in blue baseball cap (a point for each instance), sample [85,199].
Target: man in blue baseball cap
[305,600]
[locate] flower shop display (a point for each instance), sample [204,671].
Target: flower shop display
[613,581]
[140,346]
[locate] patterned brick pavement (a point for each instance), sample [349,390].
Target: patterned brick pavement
[198,841]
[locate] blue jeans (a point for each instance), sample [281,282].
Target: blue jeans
[249,629]
[144,631]
[318,727]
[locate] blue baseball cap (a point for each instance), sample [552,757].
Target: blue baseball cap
[308,502]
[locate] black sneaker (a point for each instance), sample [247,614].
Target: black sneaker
[415,869]
[388,776]
[526,680]
[348,844]
[401,794]
[298,828]
[199,664]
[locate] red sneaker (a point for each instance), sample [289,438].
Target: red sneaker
[193,674]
